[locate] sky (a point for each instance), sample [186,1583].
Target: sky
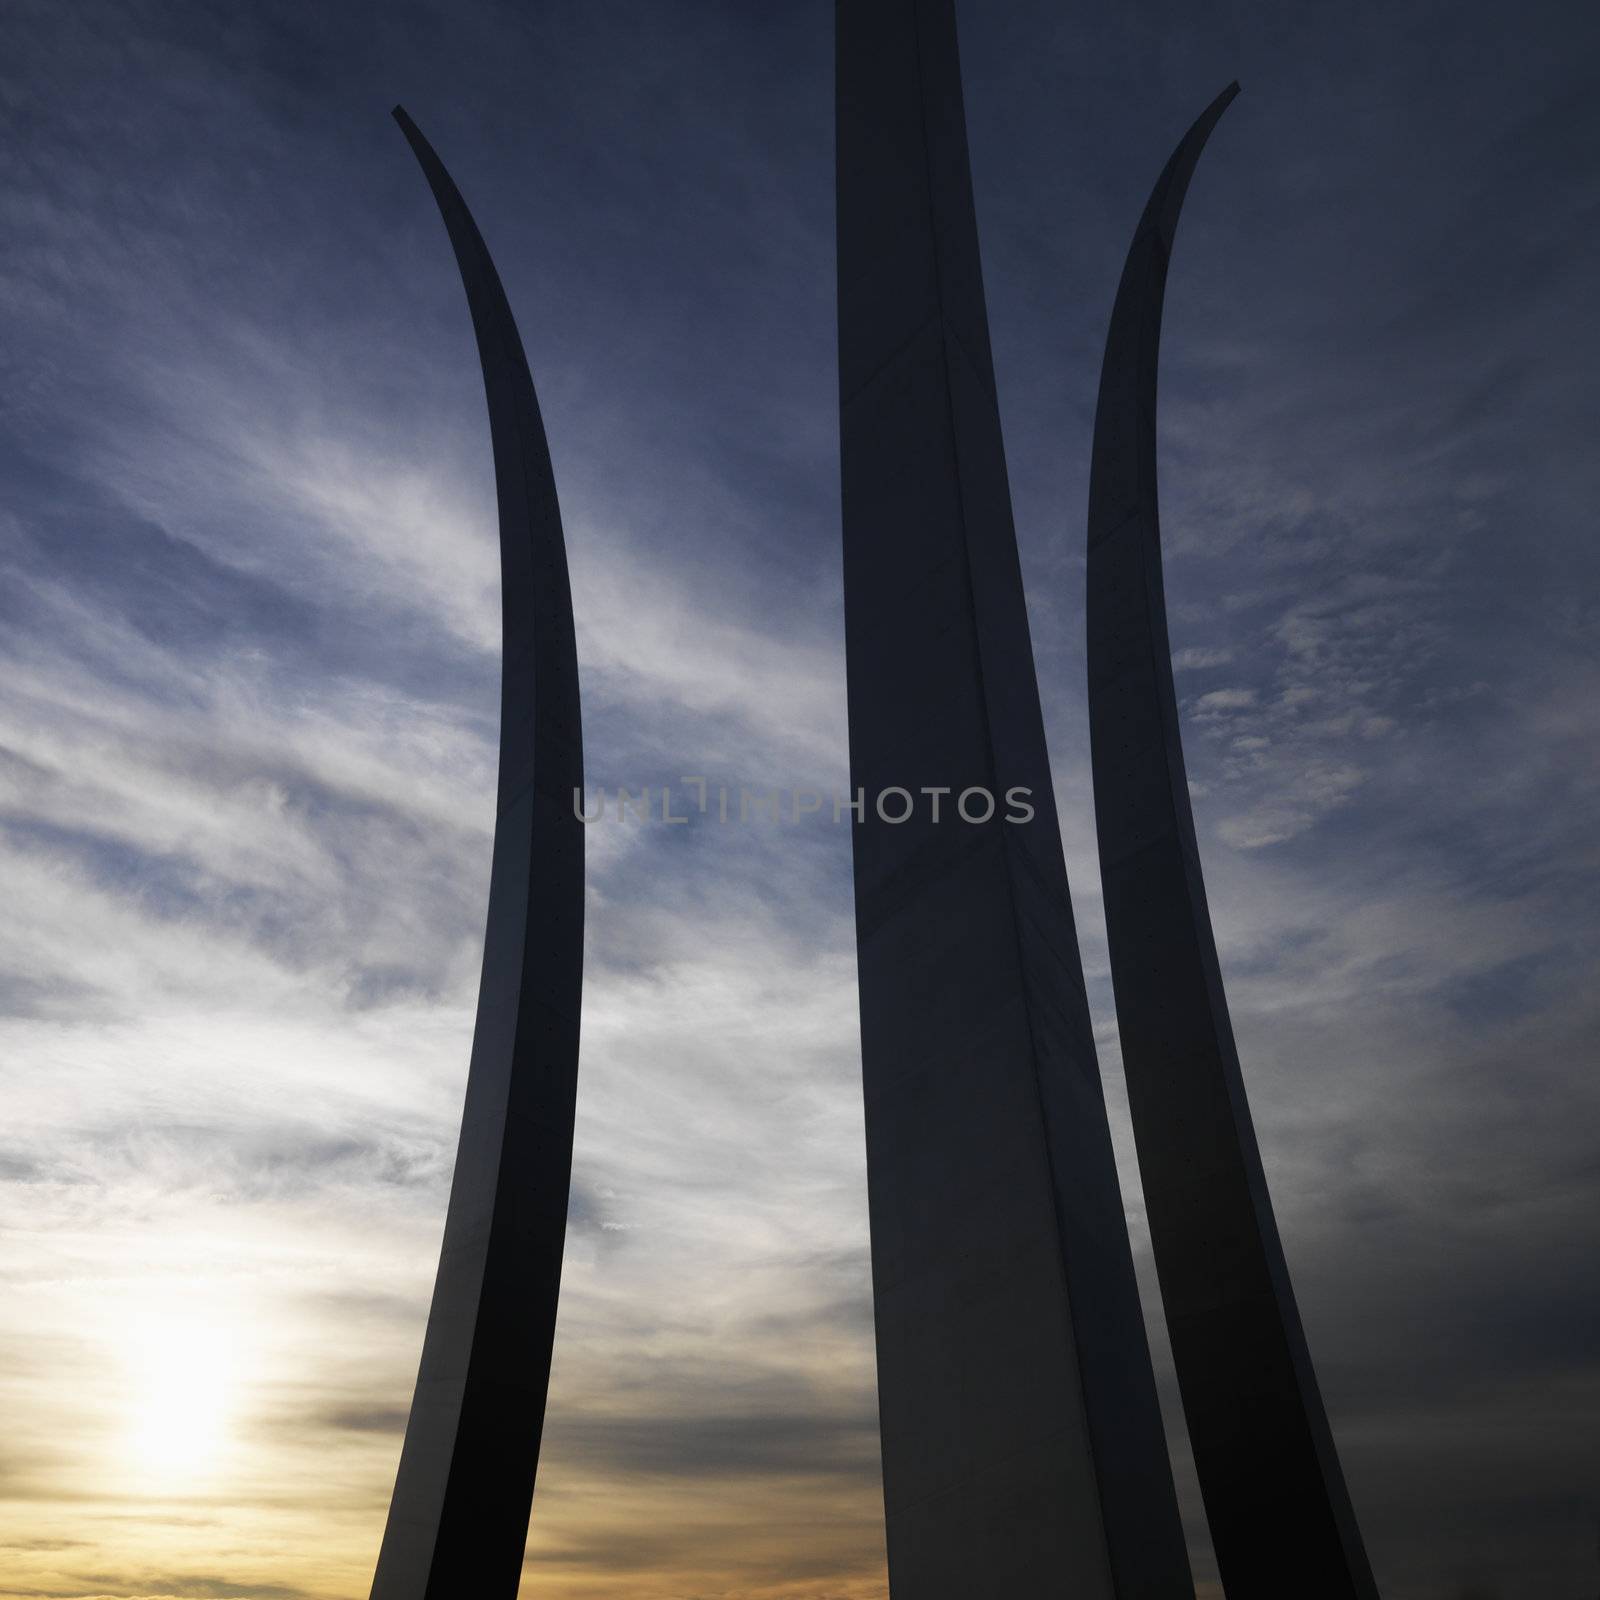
[248,696]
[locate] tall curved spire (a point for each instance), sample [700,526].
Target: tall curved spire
[458,1521]
[1023,1452]
[1280,1515]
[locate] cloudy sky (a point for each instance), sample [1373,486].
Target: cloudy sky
[248,681]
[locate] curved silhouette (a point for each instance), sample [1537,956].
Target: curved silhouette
[1280,1515]
[1023,1452]
[458,1522]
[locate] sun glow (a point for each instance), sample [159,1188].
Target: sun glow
[183,1375]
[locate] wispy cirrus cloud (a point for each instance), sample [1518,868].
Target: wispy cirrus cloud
[248,620]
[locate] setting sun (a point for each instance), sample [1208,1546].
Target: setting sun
[182,1395]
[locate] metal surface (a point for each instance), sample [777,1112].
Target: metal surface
[1023,1452]
[459,1518]
[1280,1515]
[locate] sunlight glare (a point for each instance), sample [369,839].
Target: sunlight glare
[183,1381]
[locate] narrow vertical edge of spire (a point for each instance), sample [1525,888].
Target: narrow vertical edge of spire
[1269,1471]
[458,1519]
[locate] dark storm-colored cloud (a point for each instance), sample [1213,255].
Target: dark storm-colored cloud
[708,1446]
[367,1419]
[117,1586]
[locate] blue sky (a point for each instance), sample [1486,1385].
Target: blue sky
[248,624]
